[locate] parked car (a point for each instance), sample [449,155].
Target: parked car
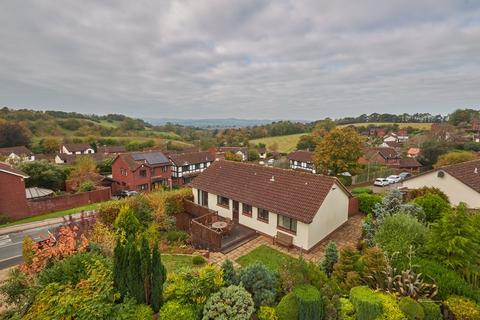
[381,182]
[125,194]
[404,175]
[394,178]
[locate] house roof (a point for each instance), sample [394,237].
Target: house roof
[77,147]
[387,153]
[6,168]
[409,163]
[183,159]
[71,158]
[290,193]
[301,155]
[414,151]
[152,159]
[111,149]
[20,150]
[393,144]
[233,149]
[35,192]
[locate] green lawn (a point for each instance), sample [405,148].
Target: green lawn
[174,262]
[285,144]
[54,214]
[273,259]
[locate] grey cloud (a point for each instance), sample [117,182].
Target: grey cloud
[248,59]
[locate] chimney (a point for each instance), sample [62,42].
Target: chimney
[272,179]
[475,171]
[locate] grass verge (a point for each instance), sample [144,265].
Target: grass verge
[54,214]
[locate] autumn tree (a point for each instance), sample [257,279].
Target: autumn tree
[85,169]
[338,151]
[454,157]
[322,128]
[12,135]
[50,145]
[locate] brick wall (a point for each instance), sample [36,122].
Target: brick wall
[65,202]
[353,207]
[13,202]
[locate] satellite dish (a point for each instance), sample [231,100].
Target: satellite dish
[440,174]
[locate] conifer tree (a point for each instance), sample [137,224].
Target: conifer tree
[158,278]
[134,273]
[119,260]
[146,268]
[331,257]
[230,277]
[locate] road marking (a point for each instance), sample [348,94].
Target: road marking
[10,258]
[4,241]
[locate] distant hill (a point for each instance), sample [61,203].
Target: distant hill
[210,123]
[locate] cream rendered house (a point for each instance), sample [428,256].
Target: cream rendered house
[460,182]
[268,200]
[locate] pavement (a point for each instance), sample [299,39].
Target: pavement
[11,238]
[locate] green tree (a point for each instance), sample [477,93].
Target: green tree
[43,174]
[12,135]
[338,151]
[433,205]
[431,150]
[127,222]
[120,264]
[260,282]
[146,268]
[253,155]
[454,157]
[331,257]
[134,273]
[231,303]
[306,142]
[159,275]
[229,274]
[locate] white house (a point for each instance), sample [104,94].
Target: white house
[301,160]
[460,182]
[15,154]
[240,151]
[274,201]
[76,148]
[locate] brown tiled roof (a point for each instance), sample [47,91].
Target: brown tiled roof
[409,163]
[4,167]
[393,144]
[465,172]
[20,150]
[291,193]
[387,153]
[77,147]
[183,159]
[301,155]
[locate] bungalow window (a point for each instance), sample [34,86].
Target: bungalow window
[247,209]
[287,224]
[223,202]
[263,215]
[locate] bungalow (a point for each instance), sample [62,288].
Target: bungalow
[145,171]
[186,166]
[76,148]
[240,151]
[275,202]
[20,153]
[301,160]
[460,182]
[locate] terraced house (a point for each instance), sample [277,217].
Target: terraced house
[279,203]
[186,166]
[301,160]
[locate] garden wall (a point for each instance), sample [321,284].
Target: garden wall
[65,202]
[353,207]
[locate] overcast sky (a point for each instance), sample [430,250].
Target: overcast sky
[246,59]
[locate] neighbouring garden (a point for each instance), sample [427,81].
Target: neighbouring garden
[418,259]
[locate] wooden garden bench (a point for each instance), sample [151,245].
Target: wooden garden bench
[283,239]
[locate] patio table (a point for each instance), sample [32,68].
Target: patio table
[219,226]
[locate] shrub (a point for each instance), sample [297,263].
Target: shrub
[4,219]
[267,313]
[127,222]
[391,310]
[230,303]
[366,202]
[331,257]
[260,282]
[198,260]
[447,281]
[433,205]
[345,180]
[174,236]
[287,309]
[462,308]
[310,304]
[359,190]
[16,288]
[432,310]
[415,193]
[229,274]
[347,311]
[347,270]
[367,305]
[86,186]
[399,233]
[173,310]
[412,309]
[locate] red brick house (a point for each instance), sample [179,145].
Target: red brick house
[144,171]
[13,201]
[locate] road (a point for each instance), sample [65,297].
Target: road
[11,244]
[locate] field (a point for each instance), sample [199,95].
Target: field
[285,144]
[421,126]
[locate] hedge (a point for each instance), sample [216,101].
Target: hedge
[412,309]
[359,190]
[367,305]
[366,202]
[310,303]
[287,309]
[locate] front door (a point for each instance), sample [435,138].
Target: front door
[235,210]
